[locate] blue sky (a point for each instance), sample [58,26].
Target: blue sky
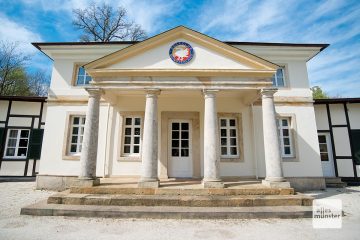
[336,22]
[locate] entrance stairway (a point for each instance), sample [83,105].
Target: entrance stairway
[175,201]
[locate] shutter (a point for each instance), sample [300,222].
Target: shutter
[36,137]
[355,135]
[2,139]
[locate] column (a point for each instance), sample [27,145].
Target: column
[211,142]
[149,155]
[273,161]
[87,176]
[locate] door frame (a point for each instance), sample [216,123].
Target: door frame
[194,117]
[170,157]
[330,154]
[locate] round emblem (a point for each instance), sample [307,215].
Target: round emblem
[181,52]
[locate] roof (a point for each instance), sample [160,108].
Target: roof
[24,98]
[337,100]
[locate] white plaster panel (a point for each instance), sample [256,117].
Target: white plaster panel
[342,143]
[22,122]
[9,168]
[345,168]
[322,122]
[337,114]
[158,58]
[25,108]
[3,110]
[354,115]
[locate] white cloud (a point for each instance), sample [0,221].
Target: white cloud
[11,31]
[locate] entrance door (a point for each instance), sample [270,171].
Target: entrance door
[180,157]
[327,160]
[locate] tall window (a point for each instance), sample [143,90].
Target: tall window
[82,77]
[17,143]
[278,79]
[76,134]
[324,151]
[286,141]
[132,136]
[229,137]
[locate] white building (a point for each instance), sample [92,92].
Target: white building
[210,116]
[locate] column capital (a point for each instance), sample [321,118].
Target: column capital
[94,91]
[268,92]
[210,93]
[152,92]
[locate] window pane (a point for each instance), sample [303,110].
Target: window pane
[232,122]
[284,122]
[286,141]
[83,120]
[184,152]
[82,130]
[280,77]
[223,132]
[126,149]
[81,71]
[223,122]
[184,135]
[22,152]
[184,143]
[73,148]
[75,130]
[233,141]
[285,132]
[175,143]
[324,157]
[13,133]
[137,121]
[223,141]
[233,151]
[287,150]
[323,148]
[10,152]
[137,131]
[175,135]
[184,126]
[127,131]
[175,152]
[128,121]
[12,143]
[23,142]
[136,149]
[232,132]
[87,79]
[322,139]
[24,134]
[137,140]
[175,126]
[76,120]
[127,140]
[223,151]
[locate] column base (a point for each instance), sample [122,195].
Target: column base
[212,184]
[86,182]
[275,184]
[149,184]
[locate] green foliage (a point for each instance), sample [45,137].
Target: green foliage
[318,93]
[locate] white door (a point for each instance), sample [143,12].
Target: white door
[327,160]
[180,159]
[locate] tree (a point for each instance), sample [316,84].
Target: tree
[13,79]
[104,24]
[38,83]
[318,93]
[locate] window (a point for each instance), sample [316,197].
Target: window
[278,79]
[132,136]
[324,152]
[229,137]
[17,143]
[82,77]
[77,127]
[286,142]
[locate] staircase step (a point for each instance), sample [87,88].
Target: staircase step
[183,191]
[336,185]
[185,201]
[333,180]
[163,212]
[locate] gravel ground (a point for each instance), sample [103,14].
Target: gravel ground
[14,195]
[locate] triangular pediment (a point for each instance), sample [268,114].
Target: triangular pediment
[209,55]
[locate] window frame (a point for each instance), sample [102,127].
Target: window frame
[228,146]
[76,68]
[79,135]
[290,136]
[275,79]
[132,136]
[18,138]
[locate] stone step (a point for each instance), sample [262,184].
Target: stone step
[184,201]
[161,212]
[336,185]
[183,191]
[333,180]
